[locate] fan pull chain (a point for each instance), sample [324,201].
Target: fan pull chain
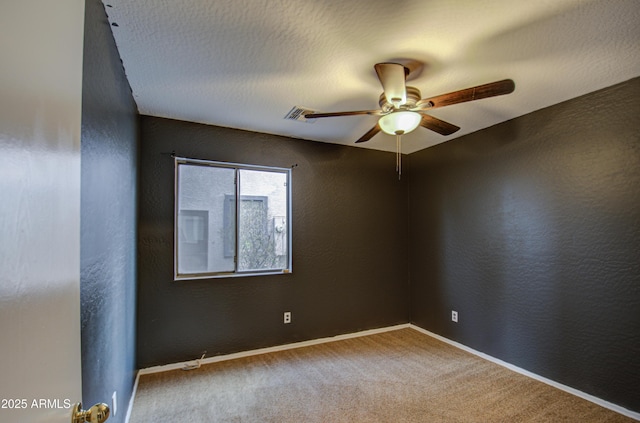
[399,155]
[397,164]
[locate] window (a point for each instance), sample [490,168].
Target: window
[231,219]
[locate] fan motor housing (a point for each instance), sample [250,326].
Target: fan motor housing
[413,96]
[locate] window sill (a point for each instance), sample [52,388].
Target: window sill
[231,275]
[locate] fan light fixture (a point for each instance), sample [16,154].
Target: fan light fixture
[399,122]
[402,109]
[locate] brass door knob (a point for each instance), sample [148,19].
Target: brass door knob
[96,414]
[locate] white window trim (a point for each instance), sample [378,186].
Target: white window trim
[236,273]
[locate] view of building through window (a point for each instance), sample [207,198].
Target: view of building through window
[230,219]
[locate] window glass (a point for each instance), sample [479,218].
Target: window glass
[262,220]
[202,191]
[231,219]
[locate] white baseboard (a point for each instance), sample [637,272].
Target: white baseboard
[573,391]
[198,362]
[133,396]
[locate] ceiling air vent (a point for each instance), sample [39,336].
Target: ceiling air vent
[297,113]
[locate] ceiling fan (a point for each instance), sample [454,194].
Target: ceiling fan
[401,109]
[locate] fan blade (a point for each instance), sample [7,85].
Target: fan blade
[437,125]
[366,137]
[492,89]
[392,77]
[334,114]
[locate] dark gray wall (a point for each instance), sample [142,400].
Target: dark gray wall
[349,248]
[108,219]
[531,231]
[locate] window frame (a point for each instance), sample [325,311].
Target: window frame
[237,167]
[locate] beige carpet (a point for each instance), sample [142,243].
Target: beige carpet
[398,376]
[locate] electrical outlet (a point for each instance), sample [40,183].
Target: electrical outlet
[287,317]
[454,316]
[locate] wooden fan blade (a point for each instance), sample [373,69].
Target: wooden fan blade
[373,131]
[392,78]
[492,89]
[334,114]
[437,125]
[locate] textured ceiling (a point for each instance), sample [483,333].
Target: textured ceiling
[245,63]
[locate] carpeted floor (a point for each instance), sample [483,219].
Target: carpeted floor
[397,376]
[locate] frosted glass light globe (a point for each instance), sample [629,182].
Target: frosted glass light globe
[399,123]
